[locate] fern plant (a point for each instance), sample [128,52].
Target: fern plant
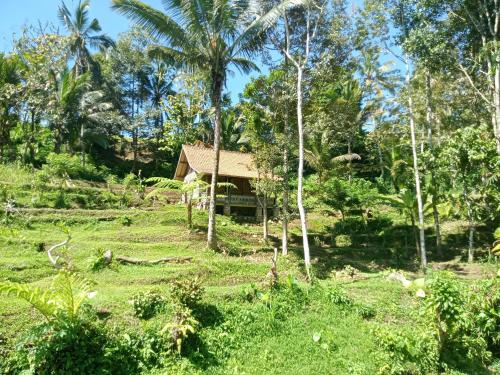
[190,189]
[62,300]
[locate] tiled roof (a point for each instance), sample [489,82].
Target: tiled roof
[200,158]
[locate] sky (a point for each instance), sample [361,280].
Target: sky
[14,14]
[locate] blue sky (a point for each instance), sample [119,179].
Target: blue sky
[15,14]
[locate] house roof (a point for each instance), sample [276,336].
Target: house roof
[200,158]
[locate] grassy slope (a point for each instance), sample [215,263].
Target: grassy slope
[264,346]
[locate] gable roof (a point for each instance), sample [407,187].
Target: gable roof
[200,158]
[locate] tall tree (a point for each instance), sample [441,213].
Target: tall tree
[83,34]
[299,55]
[211,36]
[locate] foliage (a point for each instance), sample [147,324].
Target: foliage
[66,166]
[148,304]
[80,345]
[448,308]
[414,352]
[182,326]
[187,292]
[98,260]
[61,301]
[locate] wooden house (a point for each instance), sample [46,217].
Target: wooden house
[235,167]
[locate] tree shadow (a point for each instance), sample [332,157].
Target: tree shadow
[208,315]
[377,243]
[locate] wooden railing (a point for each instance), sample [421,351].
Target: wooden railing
[242,200]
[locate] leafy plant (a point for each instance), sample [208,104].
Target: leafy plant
[99,260]
[182,326]
[187,292]
[403,353]
[126,221]
[147,304]
[339,297]
[61,301]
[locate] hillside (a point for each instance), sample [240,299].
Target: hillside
[245,328]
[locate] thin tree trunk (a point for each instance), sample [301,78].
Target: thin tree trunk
[472,228]
[286,134]
[189,203]
[302,212]
[423,256]
[349,152]
[82,144]
[496,100]
[284,226]
[264,219]
[415,236]
[429,118]
[216,103]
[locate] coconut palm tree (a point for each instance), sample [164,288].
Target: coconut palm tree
[232,127]
[64,105]
[211,36]
[83,32]
[159,85]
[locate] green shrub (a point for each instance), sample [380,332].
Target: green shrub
[126,221]
[187,292]
[98,261]
[459,334]
[407,353]
[182,326]
[80,346]
[67,166]
[338,296]
[147,304]
[364,311]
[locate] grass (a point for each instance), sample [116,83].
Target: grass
[238,336]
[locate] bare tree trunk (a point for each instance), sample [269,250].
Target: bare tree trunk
[472,227]
[265,226]
[284,225]
[349,152]
[496,101]
[82,144]
[423,255]
[302,212]
[429,118]
[216,103]
[189,203]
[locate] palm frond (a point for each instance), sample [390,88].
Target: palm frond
[346,157]
[156,23]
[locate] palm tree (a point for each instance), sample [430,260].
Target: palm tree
[158,86]
[232,127]
[318,153]
[64,106]
[82,35]
[209,36]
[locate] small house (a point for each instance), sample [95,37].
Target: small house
[234,167]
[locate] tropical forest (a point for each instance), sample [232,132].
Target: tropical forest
[250,187]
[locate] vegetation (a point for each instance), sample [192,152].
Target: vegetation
[376,130]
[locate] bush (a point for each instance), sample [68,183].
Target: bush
[187,292]
[459,334]
[407,353]
[126,221]
[78,346]
[338,296]
[147,304]
[67,166]
[182,326]
[98,261]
